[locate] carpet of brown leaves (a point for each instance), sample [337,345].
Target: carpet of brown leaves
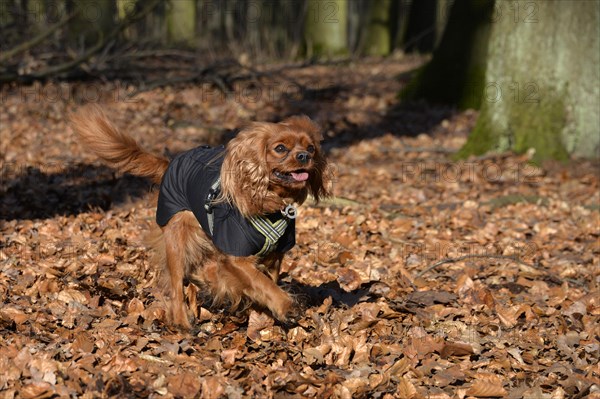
[423,278]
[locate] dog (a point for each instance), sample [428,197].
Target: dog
[225,215]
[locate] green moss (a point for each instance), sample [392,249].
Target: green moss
[482,139]
[471,91]
[537,125]
[513,199]
[540,126]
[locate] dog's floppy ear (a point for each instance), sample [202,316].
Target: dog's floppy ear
[305,124]
[244,175]
[320,180]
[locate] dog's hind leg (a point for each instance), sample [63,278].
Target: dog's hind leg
[175,243]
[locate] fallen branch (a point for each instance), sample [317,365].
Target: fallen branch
[475,256]
[209,74]
[102,42]
[69,64]
[8,54]
[410,149]
[338,202]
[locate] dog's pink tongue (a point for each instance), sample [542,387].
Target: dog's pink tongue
[300,176]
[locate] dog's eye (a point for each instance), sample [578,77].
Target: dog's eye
[311,149]
[281,149]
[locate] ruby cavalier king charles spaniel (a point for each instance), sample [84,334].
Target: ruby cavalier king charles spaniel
[225,215]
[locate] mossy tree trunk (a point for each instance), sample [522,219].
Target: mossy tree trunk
[326,28]
[542,81]
[181,22]
[378,31]
[456,72]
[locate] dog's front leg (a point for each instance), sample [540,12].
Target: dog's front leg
[272,264]
[260,288]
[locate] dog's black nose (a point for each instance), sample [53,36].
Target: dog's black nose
[303,157]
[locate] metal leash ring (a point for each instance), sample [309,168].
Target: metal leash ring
[289,212]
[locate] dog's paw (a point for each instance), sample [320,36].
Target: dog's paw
[293,317]
[179,318]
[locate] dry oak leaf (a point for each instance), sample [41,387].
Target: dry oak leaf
[257,322]
[185,385]
[406,390]
[355,386]
[37,390]
[70,295]
[316,354]
[228,356]
[349,279]
[422,346]
[487,386]
[82,342]
[509,316]
[399,368]
[213,387]
[135,306]
[120,364]
[429,298]
[456,349]
[10,313]
[106,260]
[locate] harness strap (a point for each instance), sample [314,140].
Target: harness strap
[212,195]
[271,231]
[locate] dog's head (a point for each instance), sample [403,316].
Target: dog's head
[269,165]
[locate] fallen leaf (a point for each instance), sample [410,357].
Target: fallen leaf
[257,322]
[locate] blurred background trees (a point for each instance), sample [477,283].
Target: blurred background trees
[38,34]
[530,66]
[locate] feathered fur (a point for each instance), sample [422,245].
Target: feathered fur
[117,149]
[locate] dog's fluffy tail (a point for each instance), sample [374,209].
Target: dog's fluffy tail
[116,148]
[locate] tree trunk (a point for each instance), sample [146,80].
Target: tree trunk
[420,32]
[441,17]
[181,22]
[326,28]
[378,32]
[455,75]
[36,13]
[94,19]
[542,81]
[125,8]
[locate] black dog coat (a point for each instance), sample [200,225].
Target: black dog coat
[191,182]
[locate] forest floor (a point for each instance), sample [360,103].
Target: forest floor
[424,277]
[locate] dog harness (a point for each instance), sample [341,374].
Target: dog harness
[192,182]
